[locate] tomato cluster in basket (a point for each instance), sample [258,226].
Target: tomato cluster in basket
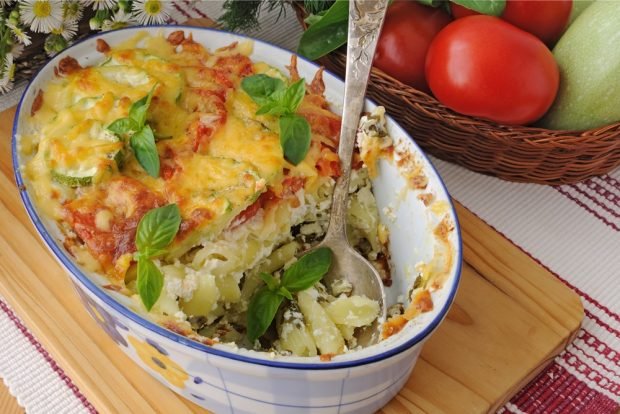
[515,62]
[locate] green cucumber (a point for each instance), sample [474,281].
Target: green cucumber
[588,56]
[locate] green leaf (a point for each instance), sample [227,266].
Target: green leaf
[271,282]
[123,126]
[327,34]
[138,109]
[149,283]
[143,145]
[156,230]
[261,87]
[282,291]
[272,108]
[294,138]
[293,95]
[261,311]
[314,18]
[490,7]
[432,3]
[308,270]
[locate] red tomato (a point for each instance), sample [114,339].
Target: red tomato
[407,32]
[485,67]
[544,19]
[459,11]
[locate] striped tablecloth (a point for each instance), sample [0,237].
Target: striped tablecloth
[572,230]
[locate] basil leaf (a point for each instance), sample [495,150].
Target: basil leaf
[293,95]
[156,230]
[272,108]
[123,126]
[261,311]
[271,282]
[490,7]
[138,109]
[327,34]
[149,283]
[261,87]
[143,145]
[308,270]
[294,138]
[282,291]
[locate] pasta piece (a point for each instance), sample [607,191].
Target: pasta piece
[229,288]
[353,311]
[205,296]
[326,335]
[347,332]
[293,333]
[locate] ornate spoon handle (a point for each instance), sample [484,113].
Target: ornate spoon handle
[365,22]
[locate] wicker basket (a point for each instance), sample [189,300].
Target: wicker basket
[514,153]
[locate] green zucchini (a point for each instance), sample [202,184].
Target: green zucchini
[588,56]
[97,157]
[74,179]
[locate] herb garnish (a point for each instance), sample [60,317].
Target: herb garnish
[275,98]
[155,232]
[141,137]
[303,274]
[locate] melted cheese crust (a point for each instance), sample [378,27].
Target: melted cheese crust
[217,157]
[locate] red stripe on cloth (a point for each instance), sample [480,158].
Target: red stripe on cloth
[194,8]
[590,357]
[181,10]
[596,200]
[586,207]
[601,404]
[603,191]
[58,370]
[580,292]
[599,346]
[574,394]
[610,180]
[554,386]
[590,373]
[560,391]
[602,324]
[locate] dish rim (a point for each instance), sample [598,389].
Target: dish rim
[100,293]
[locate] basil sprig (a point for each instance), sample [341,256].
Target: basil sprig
[303,274]
[156,230]
[275,98]
[141,137]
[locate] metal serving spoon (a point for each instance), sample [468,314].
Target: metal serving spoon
[365,22]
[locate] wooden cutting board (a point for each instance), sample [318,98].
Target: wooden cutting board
[510,318]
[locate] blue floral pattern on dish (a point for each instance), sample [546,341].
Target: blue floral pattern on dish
[108,322]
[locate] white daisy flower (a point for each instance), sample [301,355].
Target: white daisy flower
[72,10]
[118,21]
[67,29]
[101,4]
[41,15]
[19,34]
[151,11]
[17,49]
[6,74]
